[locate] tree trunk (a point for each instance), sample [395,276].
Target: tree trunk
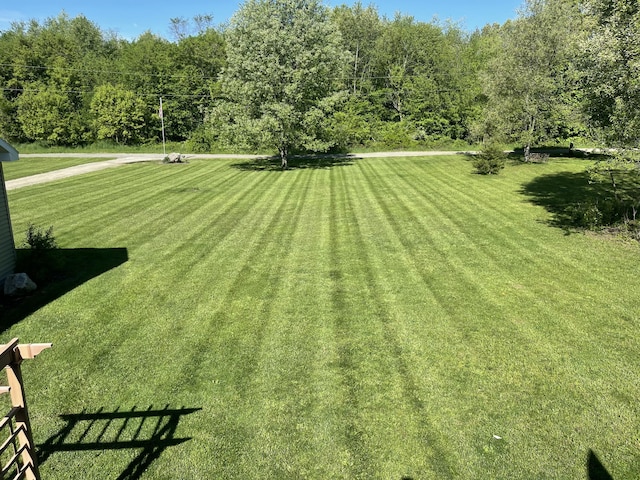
[355,70]
[283,158]
[614,184]
[527,148]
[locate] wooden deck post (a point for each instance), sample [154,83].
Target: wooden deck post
[24,459]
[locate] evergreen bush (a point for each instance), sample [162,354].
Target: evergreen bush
[490,160]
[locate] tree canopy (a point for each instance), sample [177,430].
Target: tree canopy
[284,60]
[612,69]
[530,79]
[295,74]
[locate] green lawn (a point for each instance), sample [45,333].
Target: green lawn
[379,318]
[27,166]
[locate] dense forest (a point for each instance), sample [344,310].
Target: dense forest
[562,71]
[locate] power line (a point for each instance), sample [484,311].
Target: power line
[350,79]
[81,92]
[203,77]
[103,72]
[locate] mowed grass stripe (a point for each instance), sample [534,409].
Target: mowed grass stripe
[195,273]
[103,193]
[152,205]
[99,193]
[344,317]
[359,321]
[538,259]
[481,292]
[33,166]
[247,337]
[354,346]
[530,259]
[256,356]
[502,273]
[124,285]
[317,407]
[431,236]
[202,221]
[445,390]
[474,218]
[514,217]
[387,394]
[425,334]
[286,364]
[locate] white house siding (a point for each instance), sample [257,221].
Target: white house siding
[7,247]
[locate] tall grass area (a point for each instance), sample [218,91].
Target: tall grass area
[379,318]
[112,147]
[97,147]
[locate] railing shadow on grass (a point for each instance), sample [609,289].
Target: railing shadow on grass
[595,469]
[59,272]
[298,162]
[150,431]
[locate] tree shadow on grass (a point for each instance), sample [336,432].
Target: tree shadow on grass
[516,157]
[298,162]
[57,272]
[562,194]
[150,431]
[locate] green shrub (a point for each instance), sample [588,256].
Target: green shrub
[39,257]
[202,140]
[587,215]
[37,239]
[607,212]
[490,160]
[395,135]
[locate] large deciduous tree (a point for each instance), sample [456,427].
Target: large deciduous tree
[44,115]
[529,84]
[119,114]
[284,63]
[611,67]
[48,73]
[360,28]
[425,73]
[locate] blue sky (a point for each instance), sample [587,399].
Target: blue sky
[130,18]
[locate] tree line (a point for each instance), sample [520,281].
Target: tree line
[308,77]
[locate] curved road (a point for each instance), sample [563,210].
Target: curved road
[116,159]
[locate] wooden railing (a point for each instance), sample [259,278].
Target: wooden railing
[17,450]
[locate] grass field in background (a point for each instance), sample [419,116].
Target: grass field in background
[375,318]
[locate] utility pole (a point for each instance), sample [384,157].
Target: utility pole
[161,115]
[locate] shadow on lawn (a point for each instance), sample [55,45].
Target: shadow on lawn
[297,162]
[59,272]
[595,469]
[561,194]
[150,431]
[554,152]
